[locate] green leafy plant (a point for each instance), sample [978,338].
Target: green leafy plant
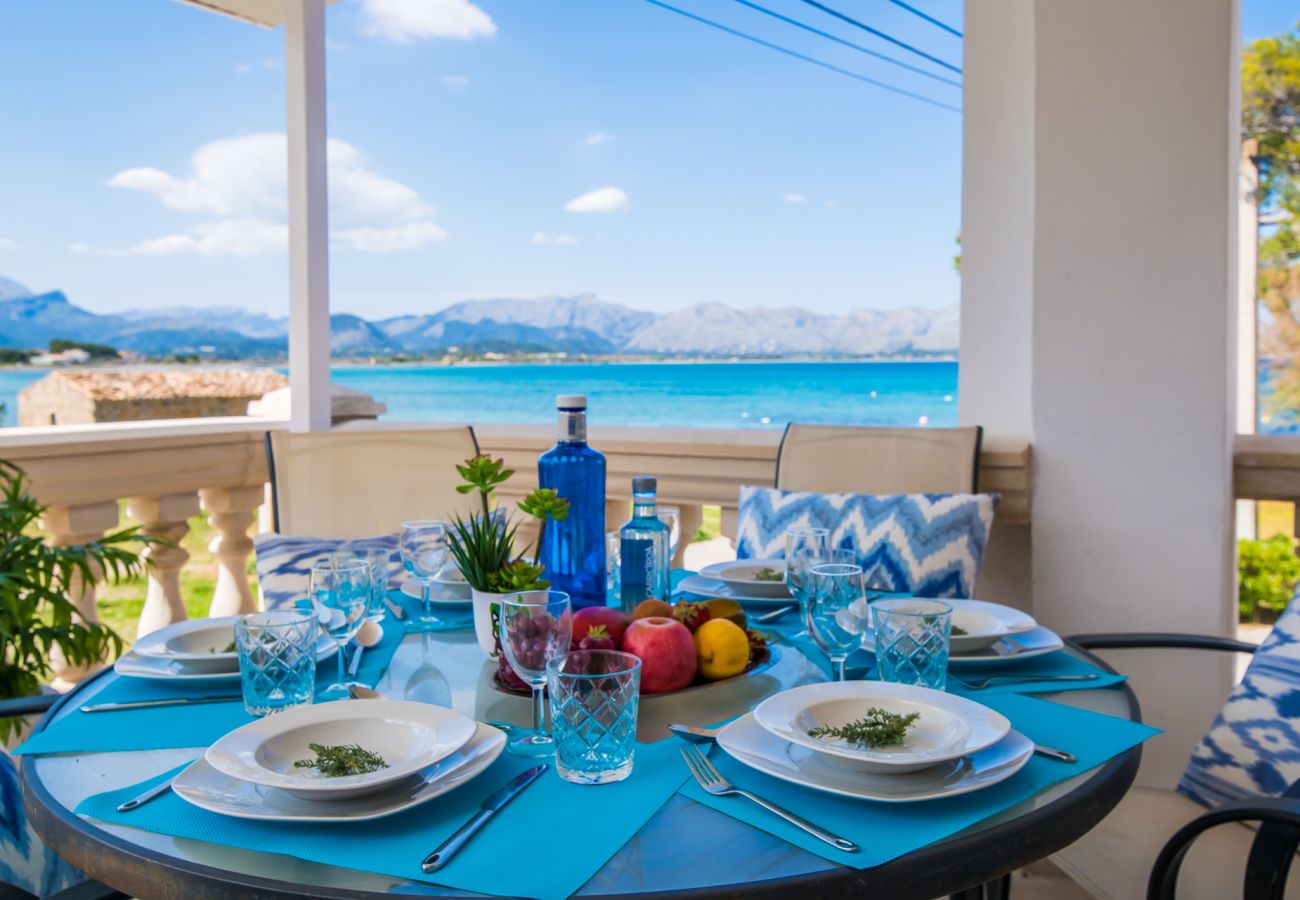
[36,616]
[483,544]
[1267,572]
[877,728]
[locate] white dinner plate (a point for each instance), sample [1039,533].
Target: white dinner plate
[752,745]
[409,736]
[442,594]
[1025,645]
[206,788]
[984,622]
[197,643]
[948,726]
[155,668]
[713,587]
[738,574]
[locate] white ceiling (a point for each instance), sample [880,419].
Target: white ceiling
[268,13]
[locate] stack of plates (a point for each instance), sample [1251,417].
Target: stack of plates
[450,588]
[251,773]
[748,581]
[994,634]
[194,650]
[954,747]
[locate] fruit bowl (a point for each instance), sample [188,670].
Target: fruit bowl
[758,662]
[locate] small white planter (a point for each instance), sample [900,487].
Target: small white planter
[483,601]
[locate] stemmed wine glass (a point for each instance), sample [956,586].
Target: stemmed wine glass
[378,558]
[833,589]
[423,544]
[535,627]
[804,547]
[672,517]
[340,597]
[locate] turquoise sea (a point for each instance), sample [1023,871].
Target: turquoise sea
[697,395]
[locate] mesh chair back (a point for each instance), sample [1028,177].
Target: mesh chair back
[838,459]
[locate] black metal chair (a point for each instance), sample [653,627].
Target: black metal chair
[1274,846]
[85,890]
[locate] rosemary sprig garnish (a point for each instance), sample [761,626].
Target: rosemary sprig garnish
[958,631]
[878,728]
[769,574]
[336,761]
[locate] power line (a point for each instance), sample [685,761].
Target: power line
[808,59]
[880,34]
[839,40]
[931,19]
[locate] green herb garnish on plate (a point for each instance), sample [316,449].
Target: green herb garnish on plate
[769,574]
[339,760]
[878,728]
[958,631]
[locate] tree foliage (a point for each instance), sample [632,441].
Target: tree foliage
[1270,112]
[1267,572]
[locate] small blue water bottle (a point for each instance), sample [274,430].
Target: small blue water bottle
[644,572]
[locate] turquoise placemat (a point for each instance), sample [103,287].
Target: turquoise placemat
[887,831]
[181,726]
[546,844]
[451,616]
[1058,663]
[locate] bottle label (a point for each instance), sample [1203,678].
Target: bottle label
[637,571]
[573,426]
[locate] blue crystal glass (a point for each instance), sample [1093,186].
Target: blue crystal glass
[277,659]
[573,549]
[912,638]
[594,698]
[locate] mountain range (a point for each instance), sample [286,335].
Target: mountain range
[582,324]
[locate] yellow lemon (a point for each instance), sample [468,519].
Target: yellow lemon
[721,649]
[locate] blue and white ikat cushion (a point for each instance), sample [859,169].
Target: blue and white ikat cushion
[25,862]
[1253,747]
[930,545]
[284,563]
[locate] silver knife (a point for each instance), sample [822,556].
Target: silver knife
[169,701]
[398,613]
[491,806]
[148,795]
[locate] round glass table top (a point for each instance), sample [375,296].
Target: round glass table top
[684,848]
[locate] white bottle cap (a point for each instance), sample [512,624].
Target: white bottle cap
[571,401]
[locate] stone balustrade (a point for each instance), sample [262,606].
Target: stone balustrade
[170,471]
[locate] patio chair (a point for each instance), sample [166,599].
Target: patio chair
[1147,838]
[28,868]
[842,459]
[353,484]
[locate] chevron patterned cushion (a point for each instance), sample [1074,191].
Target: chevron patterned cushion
[1253,747]
[284,563]
[25,861]
[930,545]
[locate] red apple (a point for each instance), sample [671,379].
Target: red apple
[666,650]
[614,620]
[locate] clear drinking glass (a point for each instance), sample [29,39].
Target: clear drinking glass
[536,626]
[672,517]
[277,659]
[912,638]
[594,696]
[340,596]
[804,547]
[832,590]
[423,544]
[613,547]
[378,559]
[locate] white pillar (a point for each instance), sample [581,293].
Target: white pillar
[1247,316]
[309,307]
[1124,159]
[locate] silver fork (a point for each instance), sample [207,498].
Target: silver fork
[712,781]
[981,683]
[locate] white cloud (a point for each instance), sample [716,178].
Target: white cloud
[8,244]
[242,182]
[794,198]
[454,82]
[559,240]
[603,200]
[404,21]
[598,137]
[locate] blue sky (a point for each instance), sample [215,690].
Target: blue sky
[139,167]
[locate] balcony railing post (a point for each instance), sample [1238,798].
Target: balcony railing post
[691,516]
[230,512]
[165,517]
[68,526]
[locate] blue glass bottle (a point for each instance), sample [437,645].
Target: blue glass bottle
[643,549]
[573,550]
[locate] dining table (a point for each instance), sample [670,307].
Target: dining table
[685,849]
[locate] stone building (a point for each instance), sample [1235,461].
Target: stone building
[85,397]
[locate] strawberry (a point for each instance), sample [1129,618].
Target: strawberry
[692,615]
[757,642]
[598,638]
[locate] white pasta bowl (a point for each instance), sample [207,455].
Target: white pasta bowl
[947,726]
[408,736]
[741,576]
[199,645]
